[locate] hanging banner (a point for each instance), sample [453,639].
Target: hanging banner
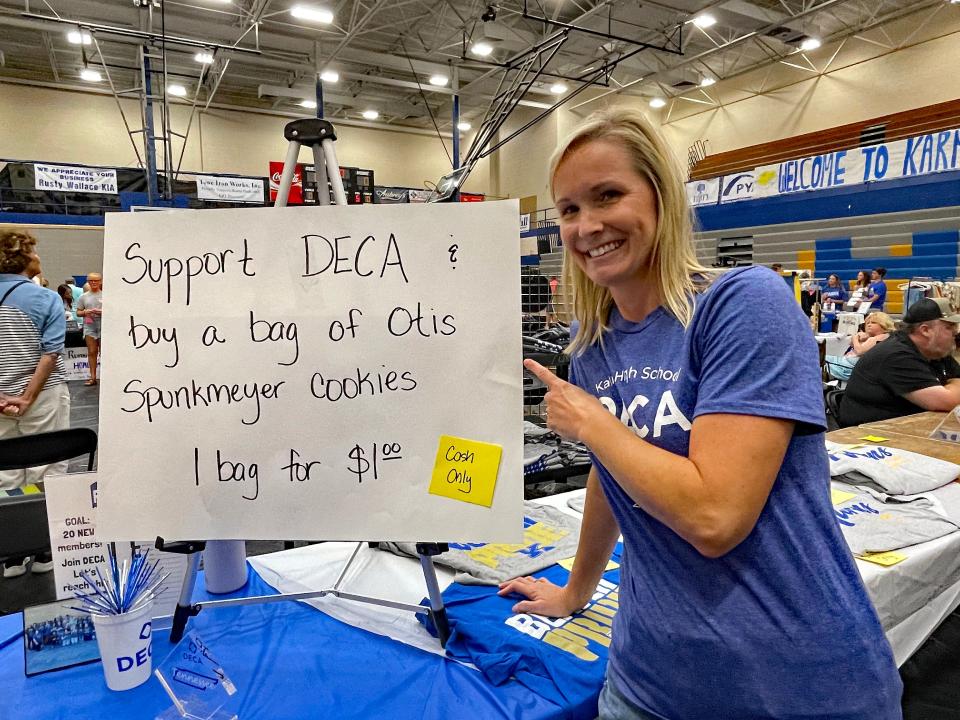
[296,187]
[288,373]
[703,192]
[70,178]
[741,186]
[911,157]
[230,189]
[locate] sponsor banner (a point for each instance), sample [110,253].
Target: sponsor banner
[525,223]
[296,186]
[911,157]
[230,189]
[421,196]
[471,197]
[69,178]
[741,186]
[391,195]
[703,192]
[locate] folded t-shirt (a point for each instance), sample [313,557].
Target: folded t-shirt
[549,536]
[870,525]
[894,471]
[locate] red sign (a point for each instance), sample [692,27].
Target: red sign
[296,187]
[471,197]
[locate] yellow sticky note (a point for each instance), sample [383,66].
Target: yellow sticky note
[874,438]
[568,564]
[884,558]
[840,496]
[465,470]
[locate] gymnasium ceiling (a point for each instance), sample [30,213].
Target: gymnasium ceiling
[386,50]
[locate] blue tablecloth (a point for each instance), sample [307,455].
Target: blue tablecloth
[288,660]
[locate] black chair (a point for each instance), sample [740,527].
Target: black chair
[23,518]
[832,399]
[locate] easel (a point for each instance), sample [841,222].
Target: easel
[319,135]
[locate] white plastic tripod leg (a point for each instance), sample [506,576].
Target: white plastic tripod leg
[333,172]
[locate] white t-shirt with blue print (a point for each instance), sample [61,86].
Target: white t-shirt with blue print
[781,626]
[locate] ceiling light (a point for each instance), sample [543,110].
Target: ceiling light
[439,80]
[312,104]
[79,37]
[176,90]
[657,102]
[204,57]
[558,88]
[704,21]
[707,81]
[464,126]
[90,75]
[370,114]
[330,76]
[312,14]
[809,43]
[481,48]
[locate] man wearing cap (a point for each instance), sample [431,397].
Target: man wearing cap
[912,371]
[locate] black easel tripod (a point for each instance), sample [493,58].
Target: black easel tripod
[319,135]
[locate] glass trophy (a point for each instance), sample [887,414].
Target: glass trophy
[949,428]
[197,685]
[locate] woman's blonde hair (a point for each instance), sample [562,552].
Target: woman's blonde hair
[883,320]
[16,247]
[679,273]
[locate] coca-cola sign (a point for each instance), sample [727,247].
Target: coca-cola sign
[296,186]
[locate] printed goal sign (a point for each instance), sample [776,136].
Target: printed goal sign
[287,373]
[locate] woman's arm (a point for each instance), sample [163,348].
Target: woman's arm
[598,536]
[712,498]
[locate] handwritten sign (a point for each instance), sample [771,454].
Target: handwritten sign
[465,470]
[285,373]
[72,505]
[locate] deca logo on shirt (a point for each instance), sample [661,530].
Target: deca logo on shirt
[667,414]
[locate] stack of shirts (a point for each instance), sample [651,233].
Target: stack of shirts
[886,511]
[549,536]
[561,659]
[544,450]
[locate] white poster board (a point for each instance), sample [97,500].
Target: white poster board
[287,373]
[77,549]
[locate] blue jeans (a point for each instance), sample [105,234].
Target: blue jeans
[614,706]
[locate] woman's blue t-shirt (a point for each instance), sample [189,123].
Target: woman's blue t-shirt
[879,288]
[781,626]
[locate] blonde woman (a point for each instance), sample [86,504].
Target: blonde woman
[876,328]
[703,412]
[90,308]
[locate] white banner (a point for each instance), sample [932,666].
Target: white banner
[77,365]
[703,192]
[77,549]
[230,189]
[742,186]
[68,178]
[911,157]
[288,373]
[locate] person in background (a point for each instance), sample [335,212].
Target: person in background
[777,267]
[34,396]
[877,328]
[718,616]
[77,292]
[67,296]
[877,292]
[832,297]
[860,289]
[911,372]
[89,307]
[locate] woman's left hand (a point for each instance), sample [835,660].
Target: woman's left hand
[569,408]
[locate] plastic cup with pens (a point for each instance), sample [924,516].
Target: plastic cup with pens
[120,604]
